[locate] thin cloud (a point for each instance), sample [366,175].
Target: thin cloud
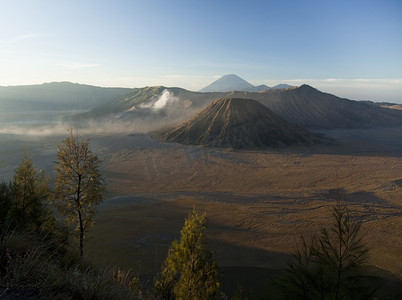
[20,38]
[79,65]
[173,76]
[349,81]
[375,89]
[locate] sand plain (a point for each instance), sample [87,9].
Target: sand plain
[258,202]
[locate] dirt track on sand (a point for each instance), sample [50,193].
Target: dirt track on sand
[257,202]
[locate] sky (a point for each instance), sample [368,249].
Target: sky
[349,48]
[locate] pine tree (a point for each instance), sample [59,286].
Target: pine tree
[78,185]
[29,192]
[189,271]
[5,203]
[342,253]
[331,266]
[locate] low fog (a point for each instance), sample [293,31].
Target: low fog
[90,127]
[40,131]
[160,111]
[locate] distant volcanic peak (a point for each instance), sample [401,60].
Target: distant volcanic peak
[233,102]
[232,82]
[303,89]
[240,106]
[282,86]
[237,123]
[156,88]
[307,87]
[259,88]
[231,76]
[227,83]
[234,77]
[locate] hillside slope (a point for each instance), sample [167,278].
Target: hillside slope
[237,123]
[310,108]
[304,105]
[56,96]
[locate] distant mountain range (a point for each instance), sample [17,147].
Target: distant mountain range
[231,82]
[56,96]
[237,123]
[304,106]
[158,105]
[311,108]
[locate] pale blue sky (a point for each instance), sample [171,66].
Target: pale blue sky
[350,48]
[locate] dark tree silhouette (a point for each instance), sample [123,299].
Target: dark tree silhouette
[331,265]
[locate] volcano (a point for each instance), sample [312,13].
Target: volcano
[228,83]
[237,123]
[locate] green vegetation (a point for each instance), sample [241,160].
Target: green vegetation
[5,203]
[31,261]
[78,185]
[30,189]
[332,265]
[35,252]
[24,200]
[189,271]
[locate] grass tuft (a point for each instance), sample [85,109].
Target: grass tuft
[32,262]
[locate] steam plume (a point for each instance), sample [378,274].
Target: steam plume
[163,100]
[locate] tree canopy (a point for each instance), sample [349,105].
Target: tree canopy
[79,185]
[190,270]
[330,266]
[29,193]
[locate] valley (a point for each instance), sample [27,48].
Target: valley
[201,150]
[259,196]
[258,202]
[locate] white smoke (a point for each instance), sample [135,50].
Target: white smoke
[164,99]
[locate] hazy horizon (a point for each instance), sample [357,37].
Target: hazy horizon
[351,49]
[350,89]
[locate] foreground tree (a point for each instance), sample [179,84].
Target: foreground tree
[29,193]
[189,271]
[331,266]
[5,203]
[79,185]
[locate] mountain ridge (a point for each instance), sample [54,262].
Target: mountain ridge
[304,105]
[56,96]
[313,109]
[237,123]
[232,82]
